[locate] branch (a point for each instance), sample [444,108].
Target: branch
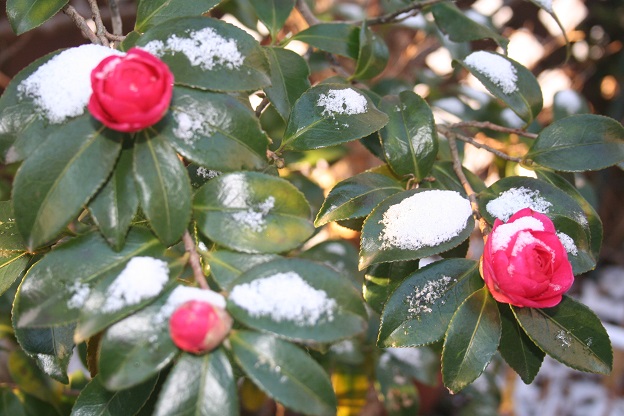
[307,14]
[479,145]
[116,21]
[81,23]
[198,273]
[409,11]
[100,29]
[495,127]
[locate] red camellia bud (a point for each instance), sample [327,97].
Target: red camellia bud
[524,262]
[131,91]
[199,327]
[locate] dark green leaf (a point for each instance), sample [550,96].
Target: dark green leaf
[203,385]
[339,38]
[420,309]
[331,114]
[116,203]
[55,182]
[226,266]
[155,12]
[446,179]
[410,139]
[222,56]
[579,143]
[284,372]
[575,239]
[356,197]
[12,264]
[340,255]
[382,279]
[25,15]
[315,303]
[570,333]
[253,212]
[10,238]
[289,79]
[28,378]
[10,404]
[372,56]
[471,340]
[164,187]
[273,13]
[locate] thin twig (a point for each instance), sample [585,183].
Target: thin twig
[307,14]
[198,273]
[81,23]
[116,21]
[479,145]
[393,17]
[100,29]
[495,127]
[114,38]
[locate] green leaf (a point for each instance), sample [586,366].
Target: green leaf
[461,28]
[25,15]
[164,187]
[446,179]
[579,143]
[253,212]
[289,79]
[273,13]
[333,311]
[284,372]
[203,385]
[471,340]
[340,255]
[55,182]
[402,226]
[115,205]
[339,38]
[226,266]
[10,404]
[222,56]
[373,55]
[10,238]
[12,264]
[356,197]
[517,348]
[382,279]
[399,393]
[330,114]
[576,241]
[45,296]
[95,399]
[155,12]
[410,139]
[570,333]
[420,309]
[522,94]
[28,378]
[214,130]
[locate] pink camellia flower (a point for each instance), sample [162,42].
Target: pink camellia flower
[131,91]
[524,263]
[199,326]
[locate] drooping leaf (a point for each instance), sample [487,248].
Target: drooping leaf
[419,310]
[12,264]
[55,182]
[382,279]
[339,38]
[155,12]
[570,333]
[226,266]
[373,54]
[284,372]
[253,212]
[289,79]
[273,13]
[579,143]
[25,15]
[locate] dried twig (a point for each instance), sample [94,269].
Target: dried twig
[81,23]
[116,21]
[198,273]
[478,145]
[100,29]
[307,14]
[495,127]
[401,14]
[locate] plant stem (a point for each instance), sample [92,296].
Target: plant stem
[495,127]
[478,145]
[409,11]
[100,30]
[307,14]
[81,23]
[116,21]
[198,273]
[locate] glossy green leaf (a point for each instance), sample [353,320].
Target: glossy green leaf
[115,205]
[330,114]
[253,212]
[155,12]
[382,279]
[410,139]
[517,348]
[461,28]
[164,187]
[284,372]
[373,55]
[525,98]
[289,79]
[576,241]
[243,67]
[95,399]
[226,266]
[10,238]
[273,13]
[25,15]
[12,264]
[471,340]
[570,333]
[214,130]
[356,197]
[199,385]
[579,143]
[339,38]
[380,243]
[55,182]
[446,179]
[340,255]
[51,291]
[334,312]
[10,404]
[420,309]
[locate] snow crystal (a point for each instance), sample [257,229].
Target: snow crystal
[496,68]
[204,48]
[545,4]
[345,101]
[182,294]
[81,292]
[421,300]
[501,237]
[568,243]
[564,337]
[61,87]
[569,101]
[207,173]
[142,278]
[253,218]
[515,199]
[284,297]
[197,119]
[425,219]
[525,238]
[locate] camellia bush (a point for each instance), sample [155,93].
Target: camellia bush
[158,225]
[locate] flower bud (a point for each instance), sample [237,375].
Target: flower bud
[199,327]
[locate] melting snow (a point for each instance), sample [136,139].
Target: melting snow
[345,101]
[496,68]
[197,119]
[253,218]
[515,199]
[81,292]
[421,300]
[568,243]
[501,237]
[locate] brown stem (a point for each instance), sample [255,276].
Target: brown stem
[479,145]
[116,21]
[114,38]
[81,23]
[100,29]
[198,273]
[307,14]
[495,127]
[393,17]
